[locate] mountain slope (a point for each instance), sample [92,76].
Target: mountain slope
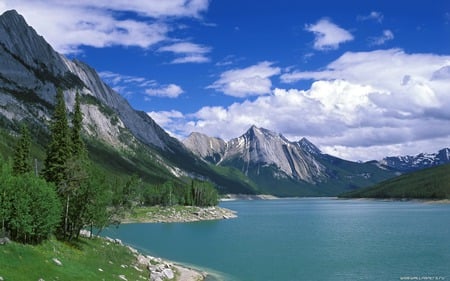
[281,167]
[431,183]
[31,72]
[421,161]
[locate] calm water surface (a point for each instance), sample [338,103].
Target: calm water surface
[308,239]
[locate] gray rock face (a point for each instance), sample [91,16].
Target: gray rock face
[206,147]
[259,146]
[31,71]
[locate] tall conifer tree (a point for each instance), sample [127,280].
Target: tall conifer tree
[78,149]
[58,150]
[22,159]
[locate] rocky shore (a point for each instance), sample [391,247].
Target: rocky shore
[158,269]
[175,214]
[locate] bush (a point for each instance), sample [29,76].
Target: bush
[29,206]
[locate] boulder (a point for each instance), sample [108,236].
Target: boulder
[156,276]
[4,240]
[168,273]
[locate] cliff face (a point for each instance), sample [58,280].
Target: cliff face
[208,148]
[30,70]
[259,146]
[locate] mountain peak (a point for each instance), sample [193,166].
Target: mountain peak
[13,15]
[308,146]
[19,39]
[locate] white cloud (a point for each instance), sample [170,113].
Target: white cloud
[67,25]
[362,106]
[151,8]
[250,81]
[328,36]
[374,15]
[168,91]
[127,85]
[380,40]
[188,52]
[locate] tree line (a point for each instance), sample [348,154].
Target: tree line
[71,193]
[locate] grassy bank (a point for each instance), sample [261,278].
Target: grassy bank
[88,259]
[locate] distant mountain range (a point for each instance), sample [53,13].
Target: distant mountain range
[281,167]
[418,162]
[125,141]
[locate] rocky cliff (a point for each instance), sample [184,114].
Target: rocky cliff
[30,70]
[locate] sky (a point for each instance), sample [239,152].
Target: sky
[360,79]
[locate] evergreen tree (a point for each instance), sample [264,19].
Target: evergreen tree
[77,146]
[58,150]
[22,159]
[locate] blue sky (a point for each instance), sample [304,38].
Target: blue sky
[360,79]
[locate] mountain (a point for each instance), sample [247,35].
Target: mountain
[281,167]
[119,138]
[418,162]
[430,183]
[208,148]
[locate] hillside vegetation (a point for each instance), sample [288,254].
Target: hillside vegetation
[87,259]
[432,183]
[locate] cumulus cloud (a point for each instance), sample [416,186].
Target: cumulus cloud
[67,25]
[328,36]
[251,81]
[168,91]
[362,106]
[188,52]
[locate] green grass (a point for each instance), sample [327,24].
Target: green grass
[432,183]
[80,261]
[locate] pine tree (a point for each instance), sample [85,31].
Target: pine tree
[77,146]
[58,150]
[22,159]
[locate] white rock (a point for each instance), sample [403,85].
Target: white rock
[168,273]
[57,262]
[143,260]
[133,250]
[156,276]
[122,277]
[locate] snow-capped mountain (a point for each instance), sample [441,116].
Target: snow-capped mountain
[284,167]
[420,161]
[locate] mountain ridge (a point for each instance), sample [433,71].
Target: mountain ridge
[284,167]
[30,74]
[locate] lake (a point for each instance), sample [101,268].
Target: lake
[307,239]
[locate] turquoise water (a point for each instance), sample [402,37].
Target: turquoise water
[308,239]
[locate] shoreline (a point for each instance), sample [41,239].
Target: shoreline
[158,268]
[418,200]
[235,197]
[178,214]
